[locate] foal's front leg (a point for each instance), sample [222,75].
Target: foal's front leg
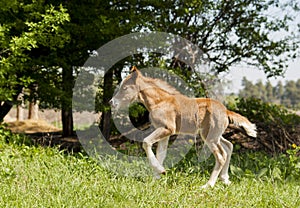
[148,142]
[161,151]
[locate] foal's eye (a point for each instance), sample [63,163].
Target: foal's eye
[125,88]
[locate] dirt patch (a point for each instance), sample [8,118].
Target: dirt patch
[31,126]
[53,117]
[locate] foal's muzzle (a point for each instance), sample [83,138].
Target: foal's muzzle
[113,103]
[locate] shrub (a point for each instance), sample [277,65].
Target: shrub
[278,127]
[258,111]
[6,136]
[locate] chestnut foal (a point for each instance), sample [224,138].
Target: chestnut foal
[174,113]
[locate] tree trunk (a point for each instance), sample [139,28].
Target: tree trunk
[105,124]
[33,108]
[20,107]
[4,109]
[67,122]
[33,111]
[6,106]
[66,99]
[20,112]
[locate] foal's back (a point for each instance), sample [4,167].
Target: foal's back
[196,114]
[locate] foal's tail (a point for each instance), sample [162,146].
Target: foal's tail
[242,121]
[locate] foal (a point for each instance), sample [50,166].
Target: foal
[174,113]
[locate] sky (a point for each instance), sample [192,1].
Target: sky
[251,73]
[236,74]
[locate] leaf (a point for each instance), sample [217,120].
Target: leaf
[262,172]
[236,171]
[276,174]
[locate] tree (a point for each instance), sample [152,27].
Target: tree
[33,110]
[287,95]
[261,91]
[269,92]
[92,24]
[39,45]
[278,92]
[249,89]
[26,26]
[230,32]
[291,94]
[55,50]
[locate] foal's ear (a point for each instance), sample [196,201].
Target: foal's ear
[134,69]
[134,72]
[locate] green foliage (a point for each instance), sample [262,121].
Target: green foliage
[277,127]
[287,94]
[7,137]
[259,111]
[27,27]
[254,165]
[212,24]
[259,165]
[5,134]
[294,160]
[136,112]
[44,42]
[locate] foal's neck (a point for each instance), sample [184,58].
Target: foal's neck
[151,95]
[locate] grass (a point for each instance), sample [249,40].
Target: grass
[46,177]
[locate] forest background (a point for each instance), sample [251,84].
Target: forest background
[44,44]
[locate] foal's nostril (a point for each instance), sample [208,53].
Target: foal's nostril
[111,102]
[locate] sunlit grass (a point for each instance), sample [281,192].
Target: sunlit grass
[45,177]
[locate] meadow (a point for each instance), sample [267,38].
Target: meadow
[35,176]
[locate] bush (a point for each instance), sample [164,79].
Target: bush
[258,111]
[259,165]
[6,136]
[278,128]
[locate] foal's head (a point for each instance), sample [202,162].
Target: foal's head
[128,91]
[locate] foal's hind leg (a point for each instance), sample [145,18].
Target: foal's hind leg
[228,148]
[220,156]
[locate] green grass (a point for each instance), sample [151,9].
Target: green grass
[45,177]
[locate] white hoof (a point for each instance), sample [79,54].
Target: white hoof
[158,175]
[206,186]
[227,182]
[159,170]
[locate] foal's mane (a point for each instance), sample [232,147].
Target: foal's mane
[162,85]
